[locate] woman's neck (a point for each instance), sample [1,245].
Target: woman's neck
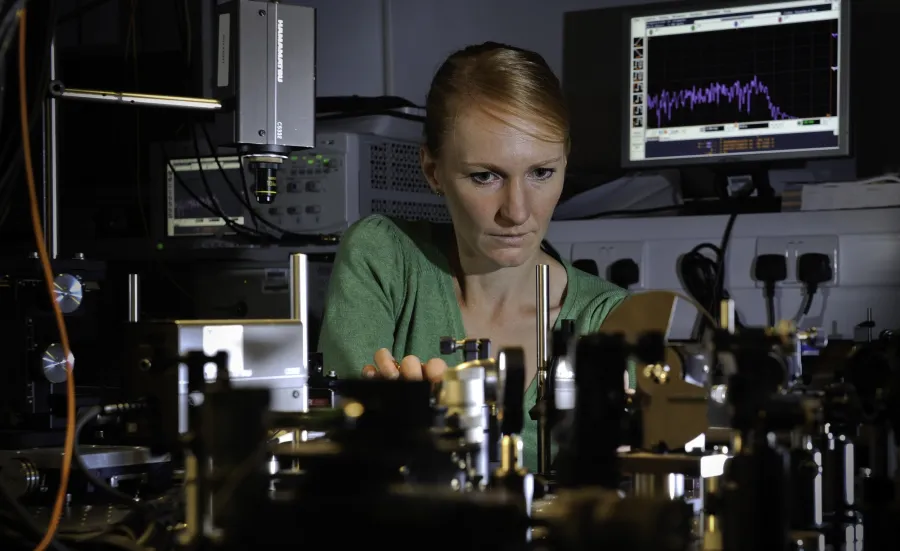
[492,289]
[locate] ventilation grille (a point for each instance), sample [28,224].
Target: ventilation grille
[412,210]
[395,167]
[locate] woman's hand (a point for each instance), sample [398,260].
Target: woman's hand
[410,368]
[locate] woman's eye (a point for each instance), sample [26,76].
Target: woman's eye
[543,173]
[483,178]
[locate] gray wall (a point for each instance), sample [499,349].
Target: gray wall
[374,47]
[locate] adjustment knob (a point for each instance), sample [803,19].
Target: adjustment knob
[20,477]
[54,365]
[67,292]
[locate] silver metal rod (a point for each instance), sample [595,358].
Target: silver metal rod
[51,173]
[727,315]
[299,305]
[543,320]
[387,48]
[298,287]
[134,298]
[543,362]
[144,100]
[869,328]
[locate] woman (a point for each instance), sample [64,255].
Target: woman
[496,142]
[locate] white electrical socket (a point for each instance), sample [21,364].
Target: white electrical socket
[795,246]
[605,253]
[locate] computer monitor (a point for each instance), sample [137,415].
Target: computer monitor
[736,81]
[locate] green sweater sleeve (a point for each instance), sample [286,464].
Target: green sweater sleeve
[364,294]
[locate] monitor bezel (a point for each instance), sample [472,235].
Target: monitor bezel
[668,8]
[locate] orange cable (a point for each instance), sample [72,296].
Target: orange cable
[48,277]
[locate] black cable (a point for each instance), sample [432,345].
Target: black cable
[813,269]
[8,26]
[704,277]
[248,233]
[213,206]
[698,274]
[720,268]
[807,302]
[11,157]
[2,89]
[309,239]
[43,83]
[630,212]
[212,198]
[245,198]
[7,33]
[228,222]
[244,184]
[770,307]
[210,208]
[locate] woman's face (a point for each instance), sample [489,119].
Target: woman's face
[501,185]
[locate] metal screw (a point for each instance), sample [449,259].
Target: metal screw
[145,364]
[296,394]
[262,13]
[262,133]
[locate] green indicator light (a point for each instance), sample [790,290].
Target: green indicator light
[294,157]
[311,161]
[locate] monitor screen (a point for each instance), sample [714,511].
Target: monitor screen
[742,82]
[185,215]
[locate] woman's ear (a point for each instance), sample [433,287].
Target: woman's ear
[429,170]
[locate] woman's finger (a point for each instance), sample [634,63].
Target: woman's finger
[434,369]
[411,368]
[387,366]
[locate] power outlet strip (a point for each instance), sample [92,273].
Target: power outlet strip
[794,247]
[607,252]
[863,245]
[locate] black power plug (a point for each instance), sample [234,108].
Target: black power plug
[813,269]
[587,265]
[624,272]
[770,269]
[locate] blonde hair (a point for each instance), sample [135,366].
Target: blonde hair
[506,83]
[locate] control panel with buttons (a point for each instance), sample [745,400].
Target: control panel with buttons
[347,177]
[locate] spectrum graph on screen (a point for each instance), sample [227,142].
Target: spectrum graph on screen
[746,80]
[740,97]
[741,75]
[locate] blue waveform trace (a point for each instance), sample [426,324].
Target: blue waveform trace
[666,102]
